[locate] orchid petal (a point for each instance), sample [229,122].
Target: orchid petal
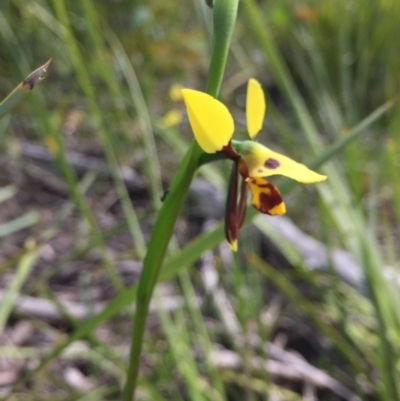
[263,162]
[255,107]
[211,122]
[265,197]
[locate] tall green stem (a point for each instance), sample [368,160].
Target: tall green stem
[224,19]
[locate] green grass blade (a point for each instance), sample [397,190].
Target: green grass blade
[19,223]
[144,118]
[7,192]
[51,132]
[351,135]
[88,89]
[24,267]
[96,34]
[181,350]
[288,288]
[200,334]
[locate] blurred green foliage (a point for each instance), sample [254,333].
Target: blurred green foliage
[106,92]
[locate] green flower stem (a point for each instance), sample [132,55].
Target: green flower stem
[224,19]
[206,158]
[161,235]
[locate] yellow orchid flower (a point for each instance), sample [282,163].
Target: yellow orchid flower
[213,128]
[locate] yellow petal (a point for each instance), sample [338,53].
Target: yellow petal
[211,122]
[264,162]
[265,197]
[255,107]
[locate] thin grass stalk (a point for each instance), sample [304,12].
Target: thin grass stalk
[47,126]
[154,392]
[200,332]
[96,35]
[381,299]
[19,223]
[145,121]
[288,288]
[95,344]
[353,153]
[88,89]
[181,350]
[75,254]
[7,192]
[391,164]
[224,18]
[25,266]
[46,234]
[346,73]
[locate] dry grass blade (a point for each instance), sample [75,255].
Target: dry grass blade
[34,77]
[22,89]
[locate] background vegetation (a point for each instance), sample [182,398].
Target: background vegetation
[85,161]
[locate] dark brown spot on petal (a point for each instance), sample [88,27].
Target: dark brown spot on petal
[263,185]
[260,170]
[269,200]
[272,163]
